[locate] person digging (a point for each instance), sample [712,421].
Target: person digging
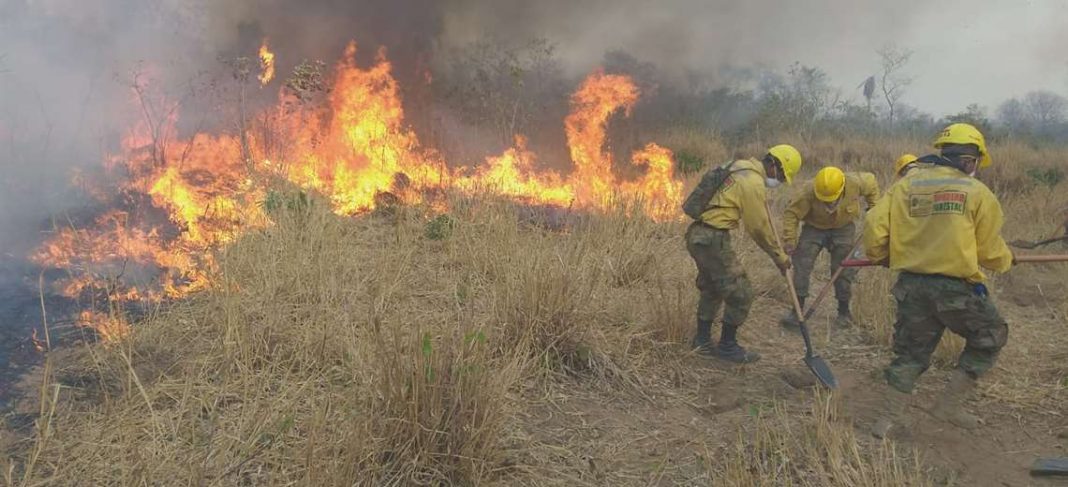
[937,227]
[725,197]
[828,207]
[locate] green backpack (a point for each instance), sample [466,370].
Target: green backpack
[710,184]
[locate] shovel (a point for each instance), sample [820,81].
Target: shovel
[1048,467]
[815,363]
[1020,259]
[1027,244]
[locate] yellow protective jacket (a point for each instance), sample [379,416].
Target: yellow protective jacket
[741,199]
[809,209]
[938,220]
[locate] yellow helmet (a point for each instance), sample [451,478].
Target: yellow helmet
[829,184]
[962,133]
[902,162]
[790,159]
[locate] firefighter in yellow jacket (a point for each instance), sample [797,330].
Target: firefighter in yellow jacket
[828,208]
[938,227]
[720,277]
[904,164]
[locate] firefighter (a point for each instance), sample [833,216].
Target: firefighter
[904,164]
[828,208]
[937,228]
[720,277]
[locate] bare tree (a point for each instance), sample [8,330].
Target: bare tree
[492,83]
[1037,112]
[1045,108]
[892,81]
[1012,114]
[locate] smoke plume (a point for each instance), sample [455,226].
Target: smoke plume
[66,66]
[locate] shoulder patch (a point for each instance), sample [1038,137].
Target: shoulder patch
[946,202]
[727,182]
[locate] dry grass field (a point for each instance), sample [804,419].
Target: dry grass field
[402,348]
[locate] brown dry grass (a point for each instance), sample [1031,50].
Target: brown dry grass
[816,447]
[341,351]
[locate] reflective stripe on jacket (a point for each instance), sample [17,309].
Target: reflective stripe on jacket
[938,220]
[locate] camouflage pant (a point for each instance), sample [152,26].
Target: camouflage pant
[837,241]
[926,306]
[720,276]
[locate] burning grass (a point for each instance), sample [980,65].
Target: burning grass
[171,200]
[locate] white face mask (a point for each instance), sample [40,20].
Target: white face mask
[772,183]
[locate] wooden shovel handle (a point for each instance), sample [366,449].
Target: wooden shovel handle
[790,271]
[1041,258]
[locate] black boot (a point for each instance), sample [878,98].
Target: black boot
[845,318]
[730,350]
[702,340]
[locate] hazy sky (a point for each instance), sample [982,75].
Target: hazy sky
[997,49]
[965,51]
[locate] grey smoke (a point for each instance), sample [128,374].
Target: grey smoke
[63,95]
[67,65]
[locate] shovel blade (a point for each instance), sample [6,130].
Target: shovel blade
[822,370]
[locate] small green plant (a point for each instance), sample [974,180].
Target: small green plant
[440,228]
[475,337]
[275,201]
[688,163]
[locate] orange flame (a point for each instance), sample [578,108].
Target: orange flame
[109,328]
[365,144]
[658,189]
[173,202]
[38,345]
[595,101]
[266,64]
[512,174]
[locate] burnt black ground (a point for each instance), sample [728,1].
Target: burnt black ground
[20,314]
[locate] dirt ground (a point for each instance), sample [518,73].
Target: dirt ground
[679,421]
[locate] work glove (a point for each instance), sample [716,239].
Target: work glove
[783,265]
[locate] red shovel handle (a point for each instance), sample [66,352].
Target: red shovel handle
[857,263]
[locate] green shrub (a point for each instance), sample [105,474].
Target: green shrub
[440,228]
[688,163]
